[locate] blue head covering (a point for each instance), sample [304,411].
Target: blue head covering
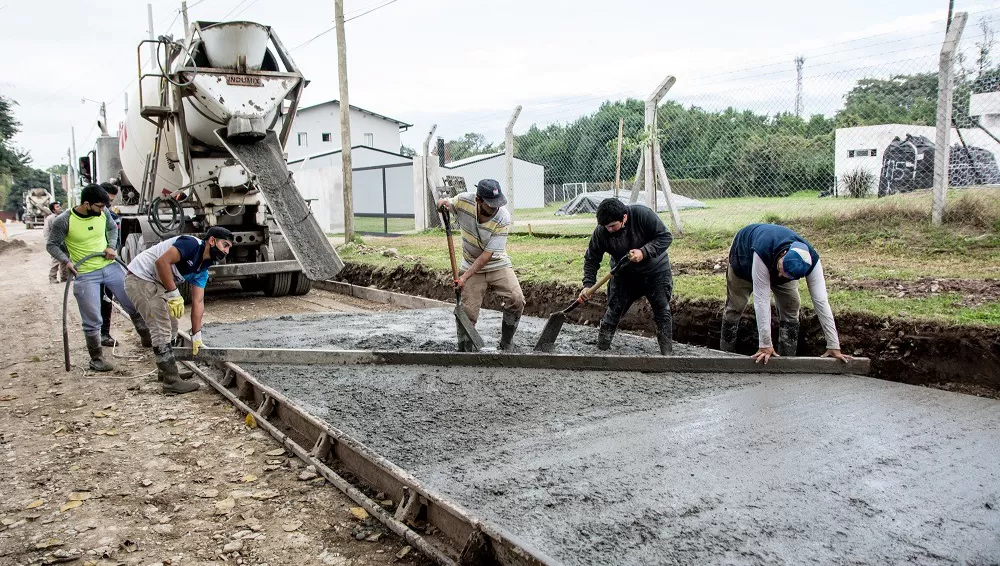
[797,261]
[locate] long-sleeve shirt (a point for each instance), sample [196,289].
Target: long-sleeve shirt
[817,290]
[643,230]
[66,247]
[479,237]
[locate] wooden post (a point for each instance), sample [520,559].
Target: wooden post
[675,215]
[508,151]
[618,167]
[184,17]
[946,72]
[650,122]
[345,122]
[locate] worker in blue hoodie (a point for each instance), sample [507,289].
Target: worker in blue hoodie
[766,258]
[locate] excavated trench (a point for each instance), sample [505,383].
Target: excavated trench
[965,359]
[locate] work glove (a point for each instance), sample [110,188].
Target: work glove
[176,303]
[196,343]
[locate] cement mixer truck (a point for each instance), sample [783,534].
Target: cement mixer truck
[202,145]
[36,207]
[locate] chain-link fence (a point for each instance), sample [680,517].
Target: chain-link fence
[797,135]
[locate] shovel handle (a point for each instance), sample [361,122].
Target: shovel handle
[446,217]
[600,283]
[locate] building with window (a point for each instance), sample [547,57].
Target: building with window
[316,130]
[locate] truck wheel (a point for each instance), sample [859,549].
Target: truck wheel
[300,284]
[277,284]
[252,284]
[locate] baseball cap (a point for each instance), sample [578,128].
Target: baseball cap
[797,261]
[489,191]
[219,233]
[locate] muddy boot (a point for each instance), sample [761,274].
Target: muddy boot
[107,340]
[166,367]
[142,330]
[507,329]
[184,372]
[97,362]
[727,341]
[664,338]
[604,336]
[788,338]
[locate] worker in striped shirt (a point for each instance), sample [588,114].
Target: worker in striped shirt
[484,222]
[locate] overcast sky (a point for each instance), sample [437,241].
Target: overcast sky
[465,64]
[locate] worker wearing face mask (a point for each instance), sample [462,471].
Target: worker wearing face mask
[632,233]
[81,231]
[152,283]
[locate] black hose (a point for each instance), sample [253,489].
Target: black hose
[65,328]
[176,223]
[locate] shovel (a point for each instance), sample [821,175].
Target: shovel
[547,339]
[465,325]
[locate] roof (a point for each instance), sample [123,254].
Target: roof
[359,109]
[353,147]
[483,157]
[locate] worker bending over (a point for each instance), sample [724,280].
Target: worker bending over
[766,258]
[485,222]
[636,234]
[152,283]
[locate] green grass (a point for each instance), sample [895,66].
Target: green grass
[859,239]
[366,224]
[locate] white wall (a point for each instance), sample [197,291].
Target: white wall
[529,179]
[360,157]
[366,182]
[879,137]
[324,185]
[325,118]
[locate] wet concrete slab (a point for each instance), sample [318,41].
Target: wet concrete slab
[634,468]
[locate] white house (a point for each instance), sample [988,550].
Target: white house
[316,130]
[382,181]
[529,178]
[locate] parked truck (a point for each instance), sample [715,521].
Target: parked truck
[36,207]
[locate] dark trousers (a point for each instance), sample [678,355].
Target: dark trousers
[626,289]
[106,308]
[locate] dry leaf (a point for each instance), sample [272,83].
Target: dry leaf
[100,414]
[62,428]
[35,503]
[250,421]
[48,543]
[276,452]
[403,552]
[249,478]
[70,505]
[8,397]
[359,513]
[79,496]
[265,494]
[74,468]
[224,506]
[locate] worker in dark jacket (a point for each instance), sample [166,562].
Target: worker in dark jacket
[636,234]
[766,258]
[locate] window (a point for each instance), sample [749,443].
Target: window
[370,140]
[303,140]
[861,153]
[327,138]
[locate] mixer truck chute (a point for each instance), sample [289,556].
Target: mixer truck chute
[201,145]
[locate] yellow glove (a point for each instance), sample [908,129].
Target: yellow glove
[196,343]
[176,303]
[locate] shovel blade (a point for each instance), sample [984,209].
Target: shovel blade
[466,327]
[547,339]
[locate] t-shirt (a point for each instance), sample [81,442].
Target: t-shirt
[490,236]
[73,237]
[191,267]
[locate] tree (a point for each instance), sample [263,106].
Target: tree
[30,178]
[407,151]
[900,99]
[470,144]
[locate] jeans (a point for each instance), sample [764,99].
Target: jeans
[87,290]
[626,289]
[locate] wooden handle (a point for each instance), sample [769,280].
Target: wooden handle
[451,244]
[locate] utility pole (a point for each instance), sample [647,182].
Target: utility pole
[345,122]
[799,61]
[73,163]
[184,17]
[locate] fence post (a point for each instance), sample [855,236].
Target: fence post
[508,150]
[430,203]
[942,145]
[650,122]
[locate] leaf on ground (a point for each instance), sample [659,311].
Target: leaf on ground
[74,468]
[250,421]
[48,543]
[35,503]
[8,397]
[79,496]
[225,505]
[359,513]
[248,478]
[61,428]
[266,494]
[276,452]
[100,414]
[70,505]
[403,552]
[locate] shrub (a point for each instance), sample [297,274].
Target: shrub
[859,183]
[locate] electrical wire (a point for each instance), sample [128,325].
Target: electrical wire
[328,30]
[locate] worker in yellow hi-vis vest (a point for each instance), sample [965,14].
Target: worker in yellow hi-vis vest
[80,231]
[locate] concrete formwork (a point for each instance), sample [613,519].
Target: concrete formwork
[640,468]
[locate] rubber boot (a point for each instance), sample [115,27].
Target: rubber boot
[507,329]
[727,340]
[788,338]
[142,330]
[465,343]
[604,336]
[184,372]
[166,367]
[108,340]
[665,339]
[97,362]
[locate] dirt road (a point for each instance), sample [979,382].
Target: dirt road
[104,468]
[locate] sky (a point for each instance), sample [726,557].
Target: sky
[465,64]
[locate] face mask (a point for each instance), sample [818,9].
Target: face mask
[94,212]
[216,254]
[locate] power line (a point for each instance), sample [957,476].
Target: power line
[328,30]
[370,11]
[237,7]
[250,5]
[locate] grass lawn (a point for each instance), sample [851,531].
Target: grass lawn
[868,240]
[367,224]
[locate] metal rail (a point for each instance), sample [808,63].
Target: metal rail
[462,539]
[648,364]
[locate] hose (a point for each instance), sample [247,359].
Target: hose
[69,278]
[176,223]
